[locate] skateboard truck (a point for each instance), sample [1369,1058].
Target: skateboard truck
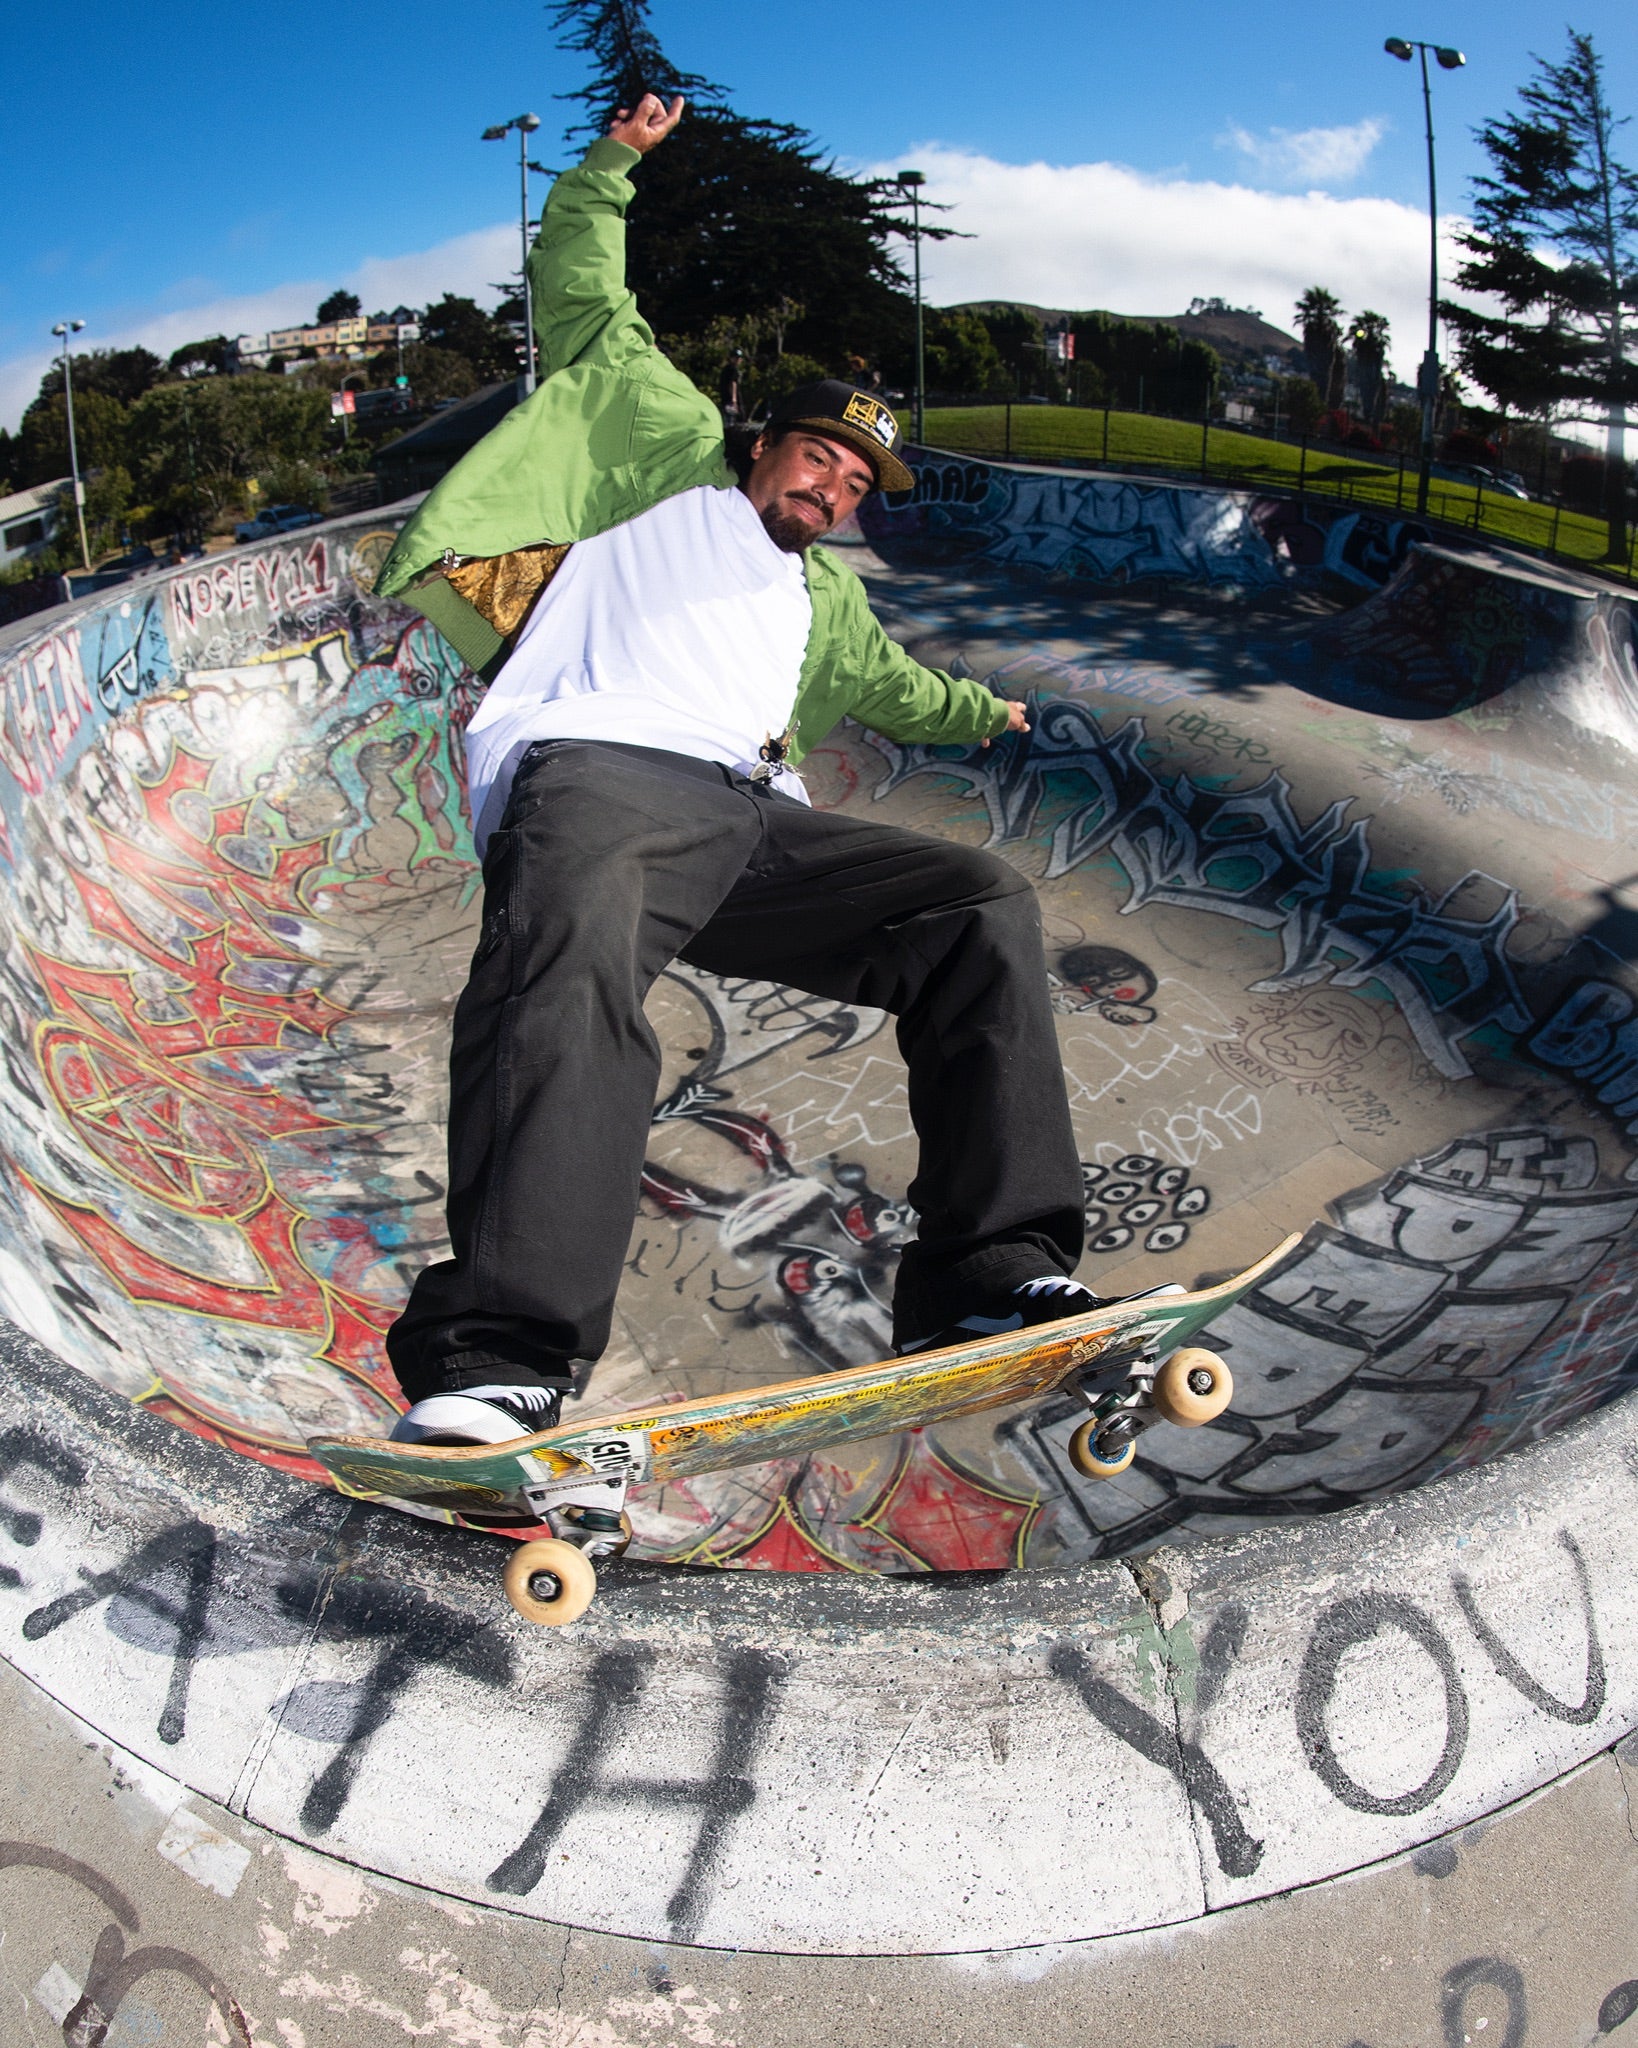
[1129,1395]
[552,1579]
[599,1532]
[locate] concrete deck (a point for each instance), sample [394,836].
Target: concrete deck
[178,1920]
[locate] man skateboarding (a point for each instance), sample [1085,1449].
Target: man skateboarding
[665,644]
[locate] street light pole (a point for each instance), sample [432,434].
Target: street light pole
[912,182]
[1428,376]
[196,531]
[66,328]
[525,124]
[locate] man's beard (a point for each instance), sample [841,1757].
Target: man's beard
[789,531]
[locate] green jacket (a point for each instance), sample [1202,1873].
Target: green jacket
[613,429]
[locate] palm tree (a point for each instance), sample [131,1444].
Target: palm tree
[1319,317]
[1368,338]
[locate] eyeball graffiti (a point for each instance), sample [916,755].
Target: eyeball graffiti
[1134,1195]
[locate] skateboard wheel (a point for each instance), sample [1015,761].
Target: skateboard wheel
[1088,1461]
[1193,1386]
[550,1581]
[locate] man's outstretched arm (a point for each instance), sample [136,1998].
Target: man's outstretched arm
[862,673]
[901,698]
[577,268]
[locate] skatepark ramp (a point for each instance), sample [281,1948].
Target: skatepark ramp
[1335,834]
[1337,934]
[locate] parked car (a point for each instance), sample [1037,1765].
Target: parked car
[392,403]
[136,561]
[138,557]
[274,520]
[1500,482]
[1487,479]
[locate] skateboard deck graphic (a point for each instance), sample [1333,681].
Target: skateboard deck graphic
[530,1477]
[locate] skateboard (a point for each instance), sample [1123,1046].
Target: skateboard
[1131,1363]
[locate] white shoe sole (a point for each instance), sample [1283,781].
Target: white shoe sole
[456,1419]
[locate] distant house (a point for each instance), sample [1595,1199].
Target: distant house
[331,338]
[28,521]
[402,324]
[416,460]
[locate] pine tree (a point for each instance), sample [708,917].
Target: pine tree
[626,60]
[1555,239]
[741,218]
[1149,361]
[122,373]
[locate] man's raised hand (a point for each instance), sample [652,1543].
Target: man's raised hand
[650,123]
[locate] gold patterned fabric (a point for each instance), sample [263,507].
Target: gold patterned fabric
[502,588]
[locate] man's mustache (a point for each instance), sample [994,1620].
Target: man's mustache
[818,503]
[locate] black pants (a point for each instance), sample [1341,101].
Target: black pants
[610,863]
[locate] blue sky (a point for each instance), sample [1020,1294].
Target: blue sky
[207,165]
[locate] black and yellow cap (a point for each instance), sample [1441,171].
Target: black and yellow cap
[842,412]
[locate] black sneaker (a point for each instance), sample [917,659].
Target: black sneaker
[480,1415]
[1050,1299]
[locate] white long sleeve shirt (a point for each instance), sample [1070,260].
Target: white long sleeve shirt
[684,629]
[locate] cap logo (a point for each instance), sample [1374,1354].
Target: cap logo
[873,416]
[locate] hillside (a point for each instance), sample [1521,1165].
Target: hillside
[1237,336]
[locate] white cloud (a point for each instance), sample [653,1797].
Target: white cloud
[1307,156]
[1083,235]
[1075,235]
[468,265]
[19,380]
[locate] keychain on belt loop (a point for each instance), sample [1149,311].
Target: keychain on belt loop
[772,753]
